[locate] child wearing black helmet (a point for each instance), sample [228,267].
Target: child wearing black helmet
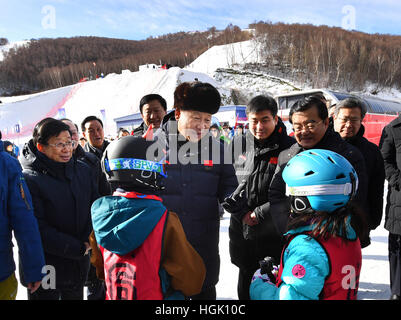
[322,257]
[144,252]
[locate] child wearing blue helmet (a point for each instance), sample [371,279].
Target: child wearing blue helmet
[322,257]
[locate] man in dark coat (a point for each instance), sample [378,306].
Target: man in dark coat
[96,287]
[390,146]
[153,108]
[62,195]
[253,236]
[310,122]
[197,178]
[348,116]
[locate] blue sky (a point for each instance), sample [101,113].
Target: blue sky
[139,19]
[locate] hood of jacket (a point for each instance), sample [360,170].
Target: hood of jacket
[122,224]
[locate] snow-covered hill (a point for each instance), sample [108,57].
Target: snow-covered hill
[227,56]
[114,96]
[117,95]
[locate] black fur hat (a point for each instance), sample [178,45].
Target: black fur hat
[197,96]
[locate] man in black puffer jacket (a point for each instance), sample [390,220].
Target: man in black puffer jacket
[252,235]
[348,116]
[197,177]
[390,147]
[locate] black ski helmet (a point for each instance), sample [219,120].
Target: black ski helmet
[126,165]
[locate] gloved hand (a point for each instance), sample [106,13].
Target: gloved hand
[262,276]
[236,204]
[269,268]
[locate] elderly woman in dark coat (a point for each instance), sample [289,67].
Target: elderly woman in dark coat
[63,191]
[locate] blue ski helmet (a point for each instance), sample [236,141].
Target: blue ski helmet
[320,180]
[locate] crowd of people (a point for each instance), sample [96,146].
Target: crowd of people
[139,217]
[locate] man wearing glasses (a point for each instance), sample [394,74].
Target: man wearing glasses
[348,116]
[309,118]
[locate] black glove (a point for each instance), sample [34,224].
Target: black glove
[236,204]
[268,266]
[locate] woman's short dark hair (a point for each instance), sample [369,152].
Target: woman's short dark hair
[150,97]
[307,103]
[47,128]
[262,103]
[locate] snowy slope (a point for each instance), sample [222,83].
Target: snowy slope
[227,65]
[114,96]
[27,111]
[118,95]
[227,56]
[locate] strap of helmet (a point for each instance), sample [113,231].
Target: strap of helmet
[134,164]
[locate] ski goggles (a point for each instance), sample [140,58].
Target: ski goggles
[134,164]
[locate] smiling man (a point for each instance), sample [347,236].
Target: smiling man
[252,232]
[92,129]
[309,118]
[153,108]
[196,181]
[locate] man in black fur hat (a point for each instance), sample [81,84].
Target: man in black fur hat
[197,176]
